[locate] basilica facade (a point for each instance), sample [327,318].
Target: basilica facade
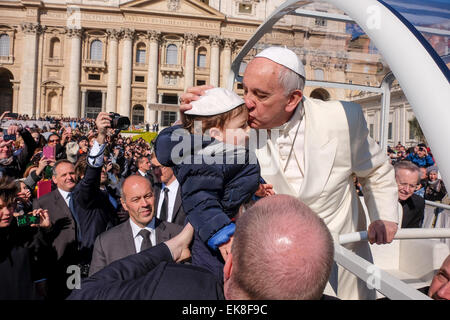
[75,59]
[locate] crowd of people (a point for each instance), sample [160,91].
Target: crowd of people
[78,197]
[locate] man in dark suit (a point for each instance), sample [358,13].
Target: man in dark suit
[143,165]
[407,175]
[126,238]
[281,250]
[167,194]
[78,212]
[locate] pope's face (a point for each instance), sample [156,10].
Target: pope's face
[264,96]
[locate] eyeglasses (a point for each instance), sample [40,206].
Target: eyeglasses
[407,185]
[53,141]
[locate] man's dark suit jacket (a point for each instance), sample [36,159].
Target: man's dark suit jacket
[413,211]
[178,216]
[150,275]
[95,213]
[118,243]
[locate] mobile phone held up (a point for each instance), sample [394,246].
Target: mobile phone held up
[8,137]
[48,152]
[27,219]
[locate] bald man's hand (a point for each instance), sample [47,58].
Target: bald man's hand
[192,94]
[381,231]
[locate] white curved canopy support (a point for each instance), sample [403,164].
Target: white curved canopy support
[402,234]
[422,75]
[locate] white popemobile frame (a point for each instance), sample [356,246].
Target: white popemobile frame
[425,83]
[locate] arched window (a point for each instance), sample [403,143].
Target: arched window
[138,114]
[172,54]
[55,47]
[140,53]
[320,94]
[4,45]
[201,58]
[96,50]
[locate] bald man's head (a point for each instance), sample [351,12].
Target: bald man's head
[138,199]
[281,250]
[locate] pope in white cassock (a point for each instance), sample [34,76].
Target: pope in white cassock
[313,154]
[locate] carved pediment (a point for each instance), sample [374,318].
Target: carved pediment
[52,84]
[181,7]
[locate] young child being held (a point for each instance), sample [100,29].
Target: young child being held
[215,169]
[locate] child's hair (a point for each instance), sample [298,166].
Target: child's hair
[208,122]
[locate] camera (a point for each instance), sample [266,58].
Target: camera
[119,122]
[12,115]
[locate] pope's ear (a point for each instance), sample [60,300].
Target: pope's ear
[216,133]
[294,99]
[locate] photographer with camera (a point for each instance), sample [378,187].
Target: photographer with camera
[79,211]
[22,249]
[421,158]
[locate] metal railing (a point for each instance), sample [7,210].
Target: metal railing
[388,285]
[437,204]
[410,233]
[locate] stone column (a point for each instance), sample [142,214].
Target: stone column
[83,103]
[189,39]
[226,64]
[127,56]
[73,108]
[16,90]
[152,75]
[27,100]
[103,101]
[214,66]
[111,97]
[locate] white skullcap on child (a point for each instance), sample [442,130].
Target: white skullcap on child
[285,57]
[215,101]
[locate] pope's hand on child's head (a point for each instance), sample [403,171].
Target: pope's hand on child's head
[192,94]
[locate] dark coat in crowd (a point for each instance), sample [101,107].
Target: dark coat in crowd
[22,261]
[150,275]
[96,215]
[435,191]
[211,192]
[413,211]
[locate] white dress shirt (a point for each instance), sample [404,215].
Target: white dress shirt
[138,238]
[65,195]
[172,194]
[141,173]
